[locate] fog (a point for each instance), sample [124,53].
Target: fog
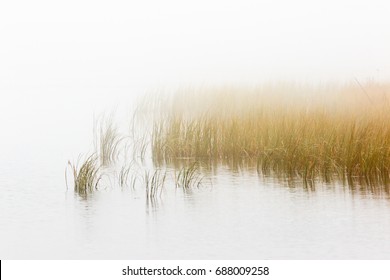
[61,62]
[64,63]
[138,45]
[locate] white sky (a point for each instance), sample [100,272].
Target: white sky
[81,43]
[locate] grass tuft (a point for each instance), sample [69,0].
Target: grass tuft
[85,175]
[154,183]
[188,177]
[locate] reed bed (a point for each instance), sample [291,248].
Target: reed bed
[301,131]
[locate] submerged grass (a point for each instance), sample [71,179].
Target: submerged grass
[299,131]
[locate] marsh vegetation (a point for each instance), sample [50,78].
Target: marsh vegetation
[306,133]
[298,131]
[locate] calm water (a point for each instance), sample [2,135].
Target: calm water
[239,216]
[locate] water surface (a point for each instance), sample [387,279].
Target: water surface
[236,215]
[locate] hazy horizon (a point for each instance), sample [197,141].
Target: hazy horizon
[136,47]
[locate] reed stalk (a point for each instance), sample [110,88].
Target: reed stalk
[154,183]
[107,141]
[188,177]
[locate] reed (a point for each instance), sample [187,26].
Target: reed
[154,183]
[127,175]
[107,140]
[188,177]
[299,131]
[86,175]
[139,147]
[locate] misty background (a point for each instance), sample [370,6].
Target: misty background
[62,62]
[144,44]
